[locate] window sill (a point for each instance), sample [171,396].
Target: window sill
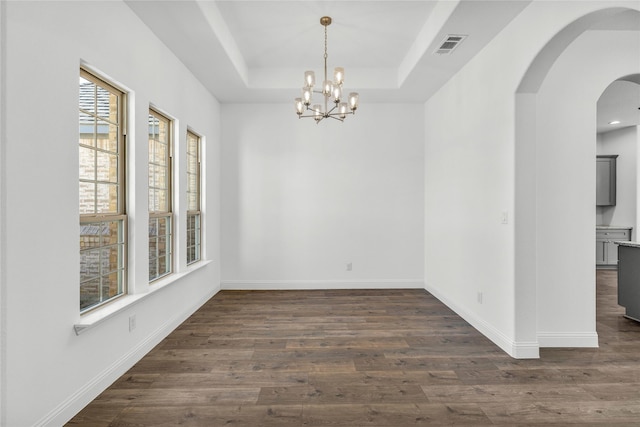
[98,316]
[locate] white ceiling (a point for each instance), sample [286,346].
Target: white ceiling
[257,51]
[620,101]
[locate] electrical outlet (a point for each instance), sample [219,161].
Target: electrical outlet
[349,266]
[132,322]
[479,297]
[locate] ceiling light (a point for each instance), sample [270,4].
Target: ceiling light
[614,122]
[335,106]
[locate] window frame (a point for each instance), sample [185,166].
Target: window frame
[168,214]
[105,217]
[197,214]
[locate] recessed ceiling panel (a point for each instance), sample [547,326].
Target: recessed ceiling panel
[363,34]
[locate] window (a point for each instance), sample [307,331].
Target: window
[160,217]
[194,217]
[103,218]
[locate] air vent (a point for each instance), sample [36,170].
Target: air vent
[449,43]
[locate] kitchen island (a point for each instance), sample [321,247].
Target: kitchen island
[629,278]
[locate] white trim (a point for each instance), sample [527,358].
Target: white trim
[568,339]
[109,310]
[518,350]
[3,216]
[246,285]
[525,350]
[78,400]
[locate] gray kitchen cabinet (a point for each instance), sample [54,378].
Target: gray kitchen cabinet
[606,249]
[606,180]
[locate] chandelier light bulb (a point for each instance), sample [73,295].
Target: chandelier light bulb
[299,106]
[353,101]
[338,75]
[306,95]
[317,112]
[309,78]
[343,110]
[337,93]
[327,87]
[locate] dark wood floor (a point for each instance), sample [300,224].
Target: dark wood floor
[368,358]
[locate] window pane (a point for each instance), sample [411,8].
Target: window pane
[163,265]
[107,167]
[89,294]
[107,136]
[153,227]
[112,284]
[163,226]
[107,198]
[159,194]
[162,198]
[111,233]
[159,247]
[87,129]
[160,177]
[89,236]
[109,260]
[152,176]
[160,154]
[87,198]
[163,131]
[87,164]
[152,198]
[87,97]
[153,127]
[153,268]
[101,261]
[107,105]
[89,264]
[193,238]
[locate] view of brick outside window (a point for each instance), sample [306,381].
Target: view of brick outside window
[101,192]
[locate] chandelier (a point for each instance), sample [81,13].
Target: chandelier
[334,107]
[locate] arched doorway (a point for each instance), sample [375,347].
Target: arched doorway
[555,179]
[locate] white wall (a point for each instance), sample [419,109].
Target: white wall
[624,143]
[50,372]
[474,171]
[301,200]
[566,151]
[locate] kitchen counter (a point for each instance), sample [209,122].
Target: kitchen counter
[630,244]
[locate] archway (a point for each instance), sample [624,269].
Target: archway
[555,180]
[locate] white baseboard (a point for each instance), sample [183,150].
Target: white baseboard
[74,403]
[255,285]
[568,339]
[515,349]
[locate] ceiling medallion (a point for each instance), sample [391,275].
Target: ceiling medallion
[331,91]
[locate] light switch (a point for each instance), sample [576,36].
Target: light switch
[504,217]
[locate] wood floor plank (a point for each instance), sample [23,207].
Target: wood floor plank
[394,415]
[390,358]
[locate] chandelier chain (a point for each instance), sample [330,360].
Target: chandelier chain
[325,42]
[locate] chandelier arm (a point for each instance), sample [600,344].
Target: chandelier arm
[342,114]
